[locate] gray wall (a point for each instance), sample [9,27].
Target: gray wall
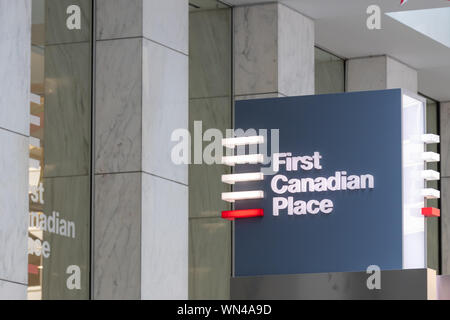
[15,44]
[273,52]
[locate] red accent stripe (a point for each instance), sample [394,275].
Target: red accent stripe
[33,269]
[431,212]
[242,214]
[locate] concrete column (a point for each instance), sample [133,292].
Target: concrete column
[445,187]
[141,197]
[379,73]
[15,44]
[273,51]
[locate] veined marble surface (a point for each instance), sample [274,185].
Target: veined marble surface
[13,207]
[256,49]
[164,109]
[274,51]
[165,22]
[12,291]
[118,133]
[67,115]
[295,53]
[119,19]
[164,247]
[15,35]
[117,236]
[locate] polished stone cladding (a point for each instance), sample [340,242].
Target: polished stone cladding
[141,203]
[15,35]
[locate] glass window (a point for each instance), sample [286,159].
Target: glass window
[329,72]
[210,103]
[433,224]
[60,150]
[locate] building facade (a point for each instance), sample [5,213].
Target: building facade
[91,92]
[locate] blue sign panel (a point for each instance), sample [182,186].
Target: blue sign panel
[335,204]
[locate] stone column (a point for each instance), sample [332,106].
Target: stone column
[15,44]
[273,52]
[445,187]
[379,73]
[141,197]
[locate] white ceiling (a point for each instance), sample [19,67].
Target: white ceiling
[341,29]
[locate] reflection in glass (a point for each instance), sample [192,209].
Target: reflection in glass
[59,165]
[433,246]
[210,94]
[329,72]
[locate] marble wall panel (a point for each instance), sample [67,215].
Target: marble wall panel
[164,247]
[163,22]
[295,53]
[15,35]
[164,109]
[119,19]
[166,22]
[12,291]
[256,49]
[117,236]
[118,134]
[14,207]
[67,113]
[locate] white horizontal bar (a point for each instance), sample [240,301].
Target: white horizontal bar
[430,193]
[242,141]
[431,138]
[431,175]
[35,120]
[242,177]
[431,157]
[35,98]
[242,195]
[244,159]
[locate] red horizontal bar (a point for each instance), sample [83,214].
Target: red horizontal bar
[431,212]
[33,269]
[241,214]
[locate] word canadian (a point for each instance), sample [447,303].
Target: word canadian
[282,184]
